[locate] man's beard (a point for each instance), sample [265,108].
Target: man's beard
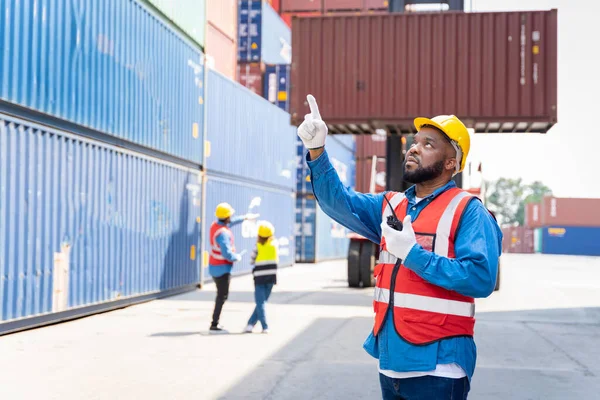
[421,174]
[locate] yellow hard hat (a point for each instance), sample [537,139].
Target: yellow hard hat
[224,211]
[265,229]
[454,129]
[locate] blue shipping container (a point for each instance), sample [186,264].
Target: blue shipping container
[273,205]
[277,85]
[110,66]
[578,241]
[342,154]
[318,237]
[248,137]
[262,34]
[129,223]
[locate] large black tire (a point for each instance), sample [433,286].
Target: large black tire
[354,263]
[367,264]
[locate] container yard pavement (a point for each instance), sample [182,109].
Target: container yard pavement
[537,339]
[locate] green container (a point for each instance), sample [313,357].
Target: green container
[188,15]
[537,240]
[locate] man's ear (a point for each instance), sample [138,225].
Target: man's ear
[451,164]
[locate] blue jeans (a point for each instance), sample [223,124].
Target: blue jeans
[261,295]
[424,388]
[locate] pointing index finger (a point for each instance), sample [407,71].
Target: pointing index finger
[314,108]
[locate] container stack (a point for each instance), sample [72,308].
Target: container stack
[250,163]
[318,237]
[303,8]
[221,36]
[264,51]
[565,225]
[101,153]
[370,163]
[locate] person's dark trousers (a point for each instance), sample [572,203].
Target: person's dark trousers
[424,388]
[222,283]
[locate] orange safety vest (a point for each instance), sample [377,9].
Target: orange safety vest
[423,313]
[216,258]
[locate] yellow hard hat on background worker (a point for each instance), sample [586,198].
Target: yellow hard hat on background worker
[224,211]
[455,130]
[265,229]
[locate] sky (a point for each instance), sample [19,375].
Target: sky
[567,158]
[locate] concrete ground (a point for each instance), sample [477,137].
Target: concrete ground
[538,338]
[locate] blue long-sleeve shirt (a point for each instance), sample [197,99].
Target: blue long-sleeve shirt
[472,273]
[225,244]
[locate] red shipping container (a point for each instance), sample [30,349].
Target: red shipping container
[364,175]
[301,5]
[570,212]
[276,4]
[342,5]
[533,215]
[221,52]
[379,5]
[370,145]
[496,71]
[287,17]
[517,239]
[222,14]
[251,76]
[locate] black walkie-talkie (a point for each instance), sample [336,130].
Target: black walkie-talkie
[393,221]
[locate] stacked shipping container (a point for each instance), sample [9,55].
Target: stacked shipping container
[250,163]
[318,237]
[221,36]
[565,225]
[86,225]
[264,53]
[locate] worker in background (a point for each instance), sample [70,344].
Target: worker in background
[265,259]
[441,254]
[222,257]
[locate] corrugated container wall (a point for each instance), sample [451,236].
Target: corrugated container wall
[189,15]
[499,70]
[518,239]
[341,151]
[113,67]
[221,52]
[342,5]
[277,85]
[223,15]
[262,35]
[368,146]
[301,5]
[318,237]
[364,175]
[249,137]
[251,76]
[571,240]
[533,217]
[273,205]
[570,212]
[86,223]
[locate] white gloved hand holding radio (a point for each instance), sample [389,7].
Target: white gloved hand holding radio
[313,131]
[399,243]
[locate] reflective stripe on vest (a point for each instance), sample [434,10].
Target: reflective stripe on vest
[265,272]
[215,249]
[266,253]
[442,233]
[426,303]
[386,258]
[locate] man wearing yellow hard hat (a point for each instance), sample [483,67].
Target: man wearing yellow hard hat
[439,250]
[265,258]
[222,256]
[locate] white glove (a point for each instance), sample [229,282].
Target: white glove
[238,257]
[313,131]
[399,243]
[251,216]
